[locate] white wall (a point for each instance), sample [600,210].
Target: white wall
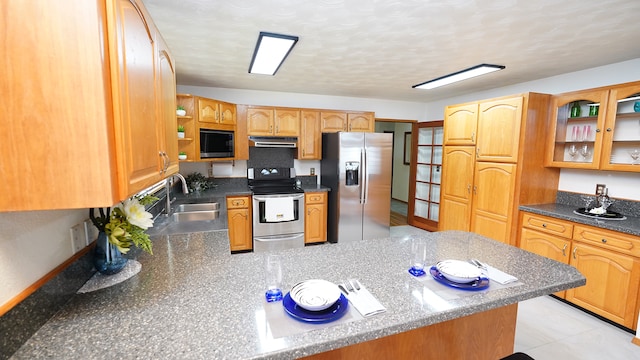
[621,185]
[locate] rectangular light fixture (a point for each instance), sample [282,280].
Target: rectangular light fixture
[270,52]
[459,76]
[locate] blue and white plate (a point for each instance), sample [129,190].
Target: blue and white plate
[333,313]
[480,284]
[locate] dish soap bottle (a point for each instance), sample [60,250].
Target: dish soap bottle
[575,109]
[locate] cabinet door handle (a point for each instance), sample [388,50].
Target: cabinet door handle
[216,115]
[473,136]
[277,129]
[608,129]
[469,188]
[564,253]
[477,152]
[597,130]
[574,252]
[604,241]
[475,190]
[544,225]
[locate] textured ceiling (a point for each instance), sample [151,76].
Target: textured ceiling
[379,49]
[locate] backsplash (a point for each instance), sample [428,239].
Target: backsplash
[270,157]
[624,207]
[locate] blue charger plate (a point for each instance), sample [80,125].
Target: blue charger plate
[480,284]
[333,313]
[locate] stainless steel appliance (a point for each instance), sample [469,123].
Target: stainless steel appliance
[216,143]
[278,209]
[357,168]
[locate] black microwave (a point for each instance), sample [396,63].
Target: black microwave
[216,144]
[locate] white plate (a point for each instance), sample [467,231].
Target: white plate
[458,271]
[315,294]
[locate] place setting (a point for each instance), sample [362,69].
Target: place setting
[469,275]
[313,303]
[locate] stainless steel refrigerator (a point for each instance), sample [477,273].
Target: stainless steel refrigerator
[357,168]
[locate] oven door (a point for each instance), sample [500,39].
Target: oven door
[278,214]
[278,242]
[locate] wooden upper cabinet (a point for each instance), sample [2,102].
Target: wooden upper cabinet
[136,93]
[499,130]
[460,124]
[621,135]
[260,121]
[216,112]
[287,122]
[310,139]
[333,121]
[361,122]
[167,106]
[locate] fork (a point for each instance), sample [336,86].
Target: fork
[355,284]
[348,285]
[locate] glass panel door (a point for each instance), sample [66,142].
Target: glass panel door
[426,167]
[621,145]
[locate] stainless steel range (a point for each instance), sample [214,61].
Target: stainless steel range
[278,209]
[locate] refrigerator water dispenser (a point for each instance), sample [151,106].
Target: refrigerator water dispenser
[351,176]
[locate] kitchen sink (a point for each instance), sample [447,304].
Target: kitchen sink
[203,215]
[197,207]
[196,212]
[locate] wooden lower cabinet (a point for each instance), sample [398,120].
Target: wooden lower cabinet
[608,259]
[240,223]
[315,222]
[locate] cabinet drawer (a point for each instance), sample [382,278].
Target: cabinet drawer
[548,225]
[238,202]
[623,243]
[315,198]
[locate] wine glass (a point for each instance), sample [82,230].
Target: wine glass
[587,201]
[635,155]
[573,150]
[584,151]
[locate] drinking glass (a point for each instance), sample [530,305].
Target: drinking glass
[273,277]
[587,201]
[573,151]
[635,155]
[584,151]
[418,256]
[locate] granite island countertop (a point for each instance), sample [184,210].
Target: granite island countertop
[194,300]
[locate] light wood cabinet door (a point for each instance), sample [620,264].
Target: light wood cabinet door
[333,121]
[167,106]
[208,111]
[493,189]
[612,283]
[310,139]
[260,121]
[143,162]
[456,188]
[460,124]
[361,122]
[621,134]
[550,246]
[315,222]
[239,220]
[227,113]
[287,122]
[499,130]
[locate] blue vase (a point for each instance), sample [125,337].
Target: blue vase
[107,259]
[636,106]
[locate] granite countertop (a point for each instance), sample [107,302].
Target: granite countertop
[194,300]
[565,212]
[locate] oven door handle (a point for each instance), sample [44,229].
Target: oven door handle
[295,197]
[279,237]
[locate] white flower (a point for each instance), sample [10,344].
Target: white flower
[136,214]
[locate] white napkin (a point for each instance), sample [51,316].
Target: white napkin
[499,276]
[365,302]
[278,209]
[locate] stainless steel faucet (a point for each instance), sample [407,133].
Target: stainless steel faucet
[185,190]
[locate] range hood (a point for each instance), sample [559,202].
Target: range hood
[273,141]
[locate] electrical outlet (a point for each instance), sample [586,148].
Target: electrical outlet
[77,237]
[600,188]
[90,231]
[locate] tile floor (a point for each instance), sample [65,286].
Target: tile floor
[548,329]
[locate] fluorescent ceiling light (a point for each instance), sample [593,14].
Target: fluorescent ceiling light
[270,52]
[459,76]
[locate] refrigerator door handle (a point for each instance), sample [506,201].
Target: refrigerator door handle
[362,171]
[365,177]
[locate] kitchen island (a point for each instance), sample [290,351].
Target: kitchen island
[194,300]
